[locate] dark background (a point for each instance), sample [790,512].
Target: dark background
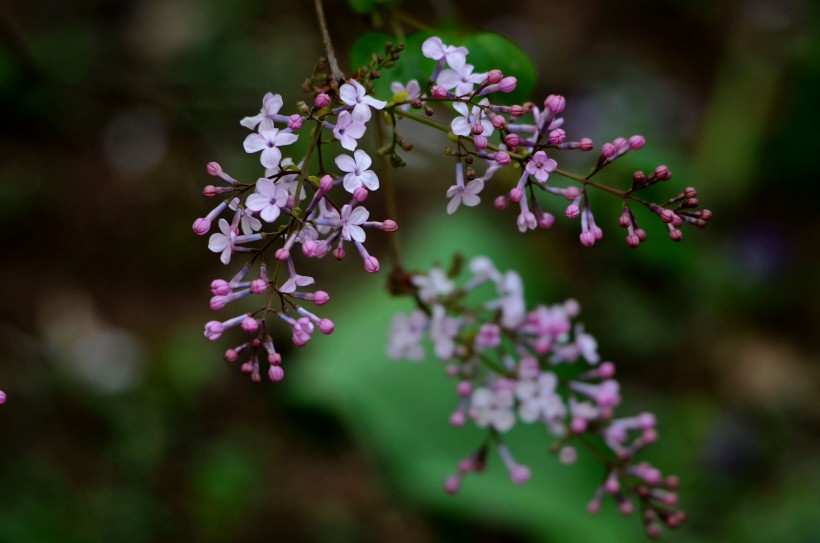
[122,422]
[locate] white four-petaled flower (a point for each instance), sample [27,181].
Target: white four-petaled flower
[356,171]
[348,130]
[267,200]
[354,94]
[352,218]
[271,104]
[268,141]
[435,49]
[463,124]
[223,242]
[462,79]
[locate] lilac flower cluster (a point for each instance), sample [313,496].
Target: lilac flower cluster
[518,366]
[523,138]
[289,207]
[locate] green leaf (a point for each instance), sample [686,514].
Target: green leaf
[369,6]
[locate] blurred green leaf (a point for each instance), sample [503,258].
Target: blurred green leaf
[369,6]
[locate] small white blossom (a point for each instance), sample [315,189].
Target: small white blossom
[434,284]
[268,200]
[352,219]
[463,124]
[268,141]
[354,94]
[435,49]
[348,130]
[405,336]
[357,173]
[271,104]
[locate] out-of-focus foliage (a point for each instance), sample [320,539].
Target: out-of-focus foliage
[123,425]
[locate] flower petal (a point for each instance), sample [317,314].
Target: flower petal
[270,157]
[346,163]
[369,179]
[269,213]
[254,143]
[363,160]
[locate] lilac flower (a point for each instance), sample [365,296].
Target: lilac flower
[223,242]
[352,219]
[267,141]
[538,400]
[458,193]
[295,280]
[540,166]
[413,90]
[433,285]
[348,130]
[494,407]
[463,124]
[267,200]
[443,330]
[406,334]
[271,104]
[512,303]
[353,94]
[435,49]
[461,79]
[356,170]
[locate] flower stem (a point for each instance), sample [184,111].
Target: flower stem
[335,72]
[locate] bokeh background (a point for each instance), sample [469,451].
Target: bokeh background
[123,423]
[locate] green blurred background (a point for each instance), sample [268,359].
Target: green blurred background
[123,424]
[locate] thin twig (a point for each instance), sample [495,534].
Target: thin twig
[335,72]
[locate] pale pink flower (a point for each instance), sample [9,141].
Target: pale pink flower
[268,141]
[223,242]
[348,130]
[435,49]
[541,166]
[493,407]
[352,219]
[271,104]
[267,200]
[406,334]
[413,90]
[463,124]
[462,79]
[354,94]
[357,173]
[434,284]
[467,195]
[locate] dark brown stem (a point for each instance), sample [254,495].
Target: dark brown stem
[335,72]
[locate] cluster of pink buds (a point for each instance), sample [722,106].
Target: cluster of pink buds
[514,366]
[2,397]
[526,139]
[290,208]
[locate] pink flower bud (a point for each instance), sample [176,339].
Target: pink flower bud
[508,84]
[494,77]
[338,253]
[578,425]
[213,168]
[500,202]
[516,111]
[624,220]
[512,140]
[258,286]
[326,326]
[201,226]
[636,142]
[274,359]
[572,193]
[390,226]
[499,122]
[557,136]
[705,214]
[209,191]
[360,194]
[326,183]
[218,302]
[322,101]
[452,484]
[250,325]
[520,474]
[587,239]
[663,173]
[247,368]
[516,194]
[478,128]
[502,158]
[594,507]
[555,103]
[632,240]
[586,144]
[220,287]
[480,142]
[457,419]
[282,254]
[606,370]
[572,211]
[545,220]
[690,192]
[438,92]
[626,508]
[213,329]
[371,264]
[619,143]
[295,122]
[608,150]
[464,388]
[675,235]
[231,355]
[276,373]
[320,297]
